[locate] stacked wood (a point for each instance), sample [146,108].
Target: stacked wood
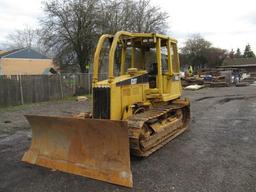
[219,84]
[242,84]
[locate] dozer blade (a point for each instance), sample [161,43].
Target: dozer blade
[93,148]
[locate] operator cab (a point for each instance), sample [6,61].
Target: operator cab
[153,54]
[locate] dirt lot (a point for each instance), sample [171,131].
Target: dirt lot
[217,154]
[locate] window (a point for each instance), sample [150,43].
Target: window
[164,59]
[175,58]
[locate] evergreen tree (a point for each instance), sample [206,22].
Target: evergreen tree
[238,53]
[248,52]
[232,54]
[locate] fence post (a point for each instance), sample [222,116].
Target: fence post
[89,82]
[61,90]
[21,90]
[74,84]
[49,88]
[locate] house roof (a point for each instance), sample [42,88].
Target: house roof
[3,54]
[2,51]
[238,66]
[239,62]
[24,53]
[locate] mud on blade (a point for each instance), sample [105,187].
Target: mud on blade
[93,148]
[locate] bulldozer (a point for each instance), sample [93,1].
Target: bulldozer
[137,109]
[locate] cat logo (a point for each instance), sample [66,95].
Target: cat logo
[134,81]
[176,78]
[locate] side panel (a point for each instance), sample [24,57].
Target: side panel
[132,94]
[116,107]
[172,85]
[125,93]
[134,80]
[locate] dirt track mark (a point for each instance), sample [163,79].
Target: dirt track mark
[226,100]
[228,97]
[204,98]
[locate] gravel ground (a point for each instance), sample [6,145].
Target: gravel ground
[217,154]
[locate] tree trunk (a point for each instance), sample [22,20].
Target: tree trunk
[82,67]
[81,60]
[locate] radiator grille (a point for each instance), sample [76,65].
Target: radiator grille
[101,103]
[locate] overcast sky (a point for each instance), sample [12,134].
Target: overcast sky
[227,24]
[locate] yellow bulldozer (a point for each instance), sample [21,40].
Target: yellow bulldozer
[136,110]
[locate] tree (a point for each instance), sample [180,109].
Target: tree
[148,18]
[133,16]
[195,51]
[71,28]
[231,54]
[248,52]
[199,53]
[110,19]
[215,56]
[27,37]
[68,30]
[238,53]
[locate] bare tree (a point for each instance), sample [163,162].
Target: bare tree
[215,56]
[149,18]
[115,16]
[132,15]
[199,53]
[27,37]
[194,50]
[70,29]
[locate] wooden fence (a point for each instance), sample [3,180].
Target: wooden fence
[24,89]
